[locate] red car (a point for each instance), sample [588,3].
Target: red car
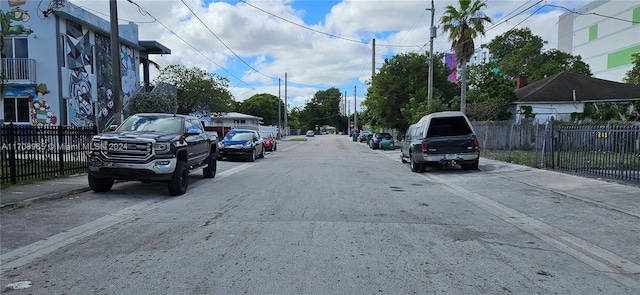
[270,143]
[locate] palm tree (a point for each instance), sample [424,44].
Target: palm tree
[463,25]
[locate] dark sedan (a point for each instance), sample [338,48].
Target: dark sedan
[241,144]
[379,137]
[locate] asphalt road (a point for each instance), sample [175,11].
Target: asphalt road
[330,216]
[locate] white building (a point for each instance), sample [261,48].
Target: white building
[605,34]
[56,63]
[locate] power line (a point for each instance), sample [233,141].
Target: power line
[225,45]
[145,13]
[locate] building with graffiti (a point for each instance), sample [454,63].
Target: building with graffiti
[57,64]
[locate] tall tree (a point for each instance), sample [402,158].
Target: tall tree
[463,25]
[323,109]
[397,96]
[490,93]
[262,105]
[197,90]
[633,76]
[555,61]
[514,51]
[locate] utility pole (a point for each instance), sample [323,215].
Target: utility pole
[346,112]
[355,109]
[115,63]
[373,60]
[286,107]
[432,32]
[279,110]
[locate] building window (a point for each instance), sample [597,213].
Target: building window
[16,109]
[15,48]
[593,32]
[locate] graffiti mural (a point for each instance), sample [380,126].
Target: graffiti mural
[80,107]
[105,115]
[79,57]
[129,78]
[41,113]
[8,18]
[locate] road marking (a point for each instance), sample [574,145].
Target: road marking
[27,254]
[600,259]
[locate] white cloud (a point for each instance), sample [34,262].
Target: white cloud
[314,61]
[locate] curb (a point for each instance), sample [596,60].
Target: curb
[47,197]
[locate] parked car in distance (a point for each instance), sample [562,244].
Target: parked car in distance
[270,143]
[241,144]
[444,138]
[363,135]
[378,137]
[310,133]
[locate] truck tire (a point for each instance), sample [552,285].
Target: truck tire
[179,181]
[212,166]
[415,167]
[100,185]
[472,166]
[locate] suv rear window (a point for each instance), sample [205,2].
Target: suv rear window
[448,126]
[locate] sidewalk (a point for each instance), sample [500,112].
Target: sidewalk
[21,195]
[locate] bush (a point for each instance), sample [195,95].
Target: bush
[152,102]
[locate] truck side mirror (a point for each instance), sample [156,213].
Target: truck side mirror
[193,131]
[112,127]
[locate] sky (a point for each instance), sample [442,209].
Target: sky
[319,44]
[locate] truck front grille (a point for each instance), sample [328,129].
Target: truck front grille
[127,149]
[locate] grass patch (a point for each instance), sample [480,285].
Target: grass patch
[521,157]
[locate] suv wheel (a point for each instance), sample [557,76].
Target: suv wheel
[179,181]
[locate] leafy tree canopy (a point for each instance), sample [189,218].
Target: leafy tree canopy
[490,95]
[152,102]
[633,76]
[398,92]
[262,105]
[554,61]
[197,89]
[323,109]
[515,50]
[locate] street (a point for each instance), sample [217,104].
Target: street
[330,216]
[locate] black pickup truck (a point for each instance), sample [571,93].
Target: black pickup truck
[153,147]
[444,138]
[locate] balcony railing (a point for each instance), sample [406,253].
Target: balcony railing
[18,70]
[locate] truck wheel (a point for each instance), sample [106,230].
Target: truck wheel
[472,166]
[179,181]
[252,158]
[100,185]
[415,167]
[212,166]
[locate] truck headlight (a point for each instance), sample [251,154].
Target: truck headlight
[161,147]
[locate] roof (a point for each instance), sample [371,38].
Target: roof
[234,115]
[560,88]
[154,47]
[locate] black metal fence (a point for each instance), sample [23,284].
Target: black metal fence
[39,152]
[32,153]
[606,151]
